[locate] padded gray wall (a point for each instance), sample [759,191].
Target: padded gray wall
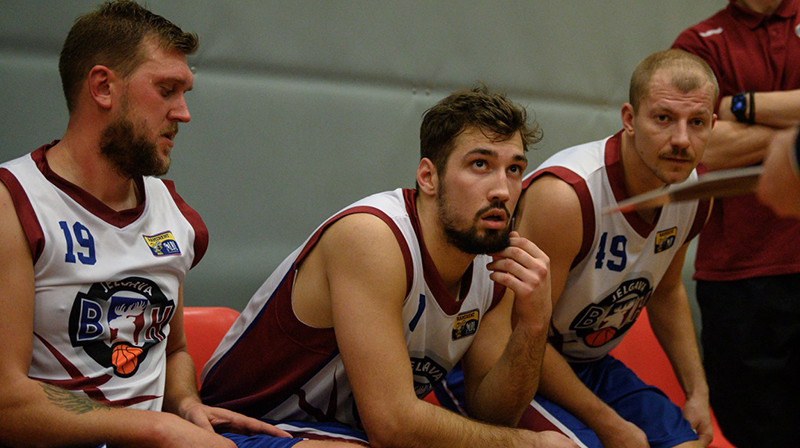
[301,107]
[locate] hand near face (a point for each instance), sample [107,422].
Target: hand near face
[524,269]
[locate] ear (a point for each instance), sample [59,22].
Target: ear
[101,79]
[427,177]
[627,118]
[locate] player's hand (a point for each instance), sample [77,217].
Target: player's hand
[224,420]
[698,413]
[524,269]
[624,435]
[549,439]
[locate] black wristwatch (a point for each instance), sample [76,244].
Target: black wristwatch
[739,107]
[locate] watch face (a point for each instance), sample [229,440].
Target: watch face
[739,107]
[738,103]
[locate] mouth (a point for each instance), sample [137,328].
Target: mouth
[495,218]
[170,135]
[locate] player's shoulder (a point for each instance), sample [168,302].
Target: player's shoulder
[360,231]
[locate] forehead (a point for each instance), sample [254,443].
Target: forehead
[664,93]
[164,65]
[473,138]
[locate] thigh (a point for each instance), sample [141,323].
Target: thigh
[301,431]
[637,402]
[261,441]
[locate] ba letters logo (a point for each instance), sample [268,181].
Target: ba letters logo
[602,322]
[117,322]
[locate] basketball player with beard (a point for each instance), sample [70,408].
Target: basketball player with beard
[355,327]
[86,233]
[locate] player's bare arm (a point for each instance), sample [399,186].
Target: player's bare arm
[501,369]
[59,416]
[671,320]
[366,278]
[181,396]
[558,231]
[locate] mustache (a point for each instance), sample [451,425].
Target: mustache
[494,206]
[677,153]
[172,129]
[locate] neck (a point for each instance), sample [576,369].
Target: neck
[765,7]
[81,163]
[450,262]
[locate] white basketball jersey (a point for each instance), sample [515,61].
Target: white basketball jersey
[622,258]
[272,365]
[106,283]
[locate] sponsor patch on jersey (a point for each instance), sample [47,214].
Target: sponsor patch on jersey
[466,324]
[162,244]
[665,239]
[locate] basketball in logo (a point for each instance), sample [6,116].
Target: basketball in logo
[600,337]
[125,359]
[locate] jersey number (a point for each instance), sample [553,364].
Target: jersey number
[84,239]
[616,249]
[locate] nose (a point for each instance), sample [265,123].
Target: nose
[180,111]
[500,191]
[680,134]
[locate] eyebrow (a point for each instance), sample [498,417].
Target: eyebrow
[175,80]
[491,153]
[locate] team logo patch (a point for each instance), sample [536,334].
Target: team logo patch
[466,324]
[162,244]
[665,239]
[118,322]
[602,322]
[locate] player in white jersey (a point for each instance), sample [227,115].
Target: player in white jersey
[298,383]
[607,267]
[106,283]
[95,251]
[357,324]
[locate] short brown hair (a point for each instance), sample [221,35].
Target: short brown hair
[112,36]
[685,68]
[477,107]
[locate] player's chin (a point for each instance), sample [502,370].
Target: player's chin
[676,176]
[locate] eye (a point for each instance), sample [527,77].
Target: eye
[699,122]
[166,91]
[662,118]
[480,163]
[516,169]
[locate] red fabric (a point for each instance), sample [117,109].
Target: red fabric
[204,328]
